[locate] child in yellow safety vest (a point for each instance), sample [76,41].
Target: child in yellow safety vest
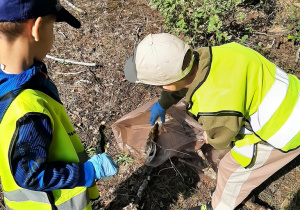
[242,100]
[43,162]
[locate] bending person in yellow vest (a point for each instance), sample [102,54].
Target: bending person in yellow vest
[241,99]
[43,163]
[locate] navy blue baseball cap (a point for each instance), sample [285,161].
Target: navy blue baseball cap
[21,10]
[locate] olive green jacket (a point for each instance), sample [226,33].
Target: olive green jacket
[220,129]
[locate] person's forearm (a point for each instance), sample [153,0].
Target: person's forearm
[29,160]
[56,175]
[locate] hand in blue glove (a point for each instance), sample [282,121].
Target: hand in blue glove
[157,111]
[104,165]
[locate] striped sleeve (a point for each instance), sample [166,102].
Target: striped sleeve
[32,171]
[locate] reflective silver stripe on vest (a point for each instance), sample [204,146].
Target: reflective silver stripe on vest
[245,131]
[246,151]
[269,106]
[288,131]
[27,195]
[272,100]
[78,202]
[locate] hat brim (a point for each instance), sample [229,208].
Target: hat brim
[130,70]
[64,16]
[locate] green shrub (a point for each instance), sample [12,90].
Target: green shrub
[199,20]
[294,25]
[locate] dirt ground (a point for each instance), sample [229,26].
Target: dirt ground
[110,30]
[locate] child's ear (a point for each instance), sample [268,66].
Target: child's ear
[35,28]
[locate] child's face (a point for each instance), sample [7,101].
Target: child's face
[45,42]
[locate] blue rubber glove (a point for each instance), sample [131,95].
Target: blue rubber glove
[157,111]
[104,165]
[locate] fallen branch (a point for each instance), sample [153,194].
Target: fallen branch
[70,61]
[273,43]
[70,73]
[86,81]
[265,34]
[175,169]
[123,8]
[73,6]
[173,150]
[143,187]
[200,154]
[208,170]
[164,169]
[260,33]
[297,55]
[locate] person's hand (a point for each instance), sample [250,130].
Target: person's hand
[104,165]
[156,112]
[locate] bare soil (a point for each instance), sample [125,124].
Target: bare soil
[91,95]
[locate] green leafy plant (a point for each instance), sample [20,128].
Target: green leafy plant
[249,28]
[240,16]
[198,20]
[294,26]
[123,159]
[244,39]
[90,150]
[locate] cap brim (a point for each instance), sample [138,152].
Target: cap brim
[64,16]
[130,70]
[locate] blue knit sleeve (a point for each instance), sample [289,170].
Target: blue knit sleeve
[29,159]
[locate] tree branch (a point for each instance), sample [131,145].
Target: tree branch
[297,55]
[73,6]
[70,61]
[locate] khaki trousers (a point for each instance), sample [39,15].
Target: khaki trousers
[235,183]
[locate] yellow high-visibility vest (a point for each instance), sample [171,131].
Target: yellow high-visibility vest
[65,147]
[241,82]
